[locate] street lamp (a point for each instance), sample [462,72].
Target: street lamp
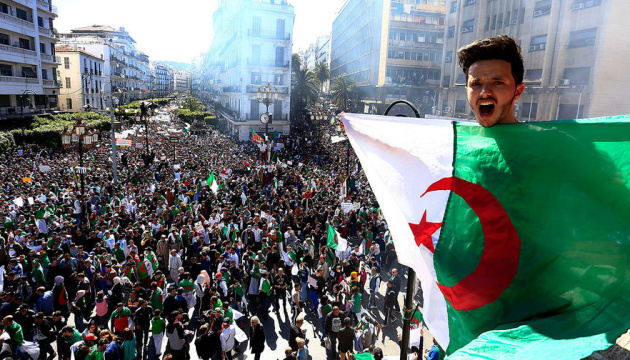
[81,136]
[30,106]
[267,95]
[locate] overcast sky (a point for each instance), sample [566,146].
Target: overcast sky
[181,30]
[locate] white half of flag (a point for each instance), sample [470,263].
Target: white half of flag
[214,187]
[400,164]
[243,197]
[335,139]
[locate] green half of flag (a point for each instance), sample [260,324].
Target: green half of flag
[332,241]
[565,189]
[210,179]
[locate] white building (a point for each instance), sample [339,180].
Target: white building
[164,79]
[126,69]
[182,81]
[28,72]
[252,46]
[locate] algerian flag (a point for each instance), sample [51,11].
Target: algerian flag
[335,241]
[145,269]
[518,227]
[212,183]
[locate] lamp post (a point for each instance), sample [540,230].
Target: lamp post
[26,92]
[267,95]
[81,136]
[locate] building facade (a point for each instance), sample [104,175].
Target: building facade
[182,81]
[28,71]
[82,80]
[164,76]
[127,72]
[391,48]
[571,49]
[252,46]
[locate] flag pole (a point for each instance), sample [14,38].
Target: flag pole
[406,330]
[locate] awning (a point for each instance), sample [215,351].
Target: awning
[533,75]
[28,72]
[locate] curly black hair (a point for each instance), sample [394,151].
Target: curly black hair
[501,47]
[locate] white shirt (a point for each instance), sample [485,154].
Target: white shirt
[227,338]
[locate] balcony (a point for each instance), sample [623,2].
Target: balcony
[414,63]
[283,90]
[48,58]
[230,89]
[268,64]
[15,50]
[18,80]
[16,21]
[45,32]
[415,45]
[269,35]
[50,83]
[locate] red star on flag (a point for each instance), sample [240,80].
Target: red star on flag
[423,231]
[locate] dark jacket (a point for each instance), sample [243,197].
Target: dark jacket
[329,323]
[294,333]
[346,339]
[203,345]
[257,339]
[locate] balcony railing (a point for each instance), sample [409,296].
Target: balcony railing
[17,50]
[47,58]
[48,83]
[230,89]
[284,36]
[251,88]
[268,64]
[44,31]
[16,20]
[16,79]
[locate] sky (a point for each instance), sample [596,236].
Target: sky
[181,30]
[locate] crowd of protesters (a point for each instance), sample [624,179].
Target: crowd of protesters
[191,246]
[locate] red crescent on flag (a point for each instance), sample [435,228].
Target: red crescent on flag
[499,262]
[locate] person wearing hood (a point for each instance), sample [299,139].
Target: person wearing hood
[60,296]
[80,310]
[200,290]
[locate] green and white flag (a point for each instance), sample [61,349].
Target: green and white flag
[519,233]
[334,241]
[212,183]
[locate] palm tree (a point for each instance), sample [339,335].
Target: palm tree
[296,62]
[344,89]
[322,72]
[304,90]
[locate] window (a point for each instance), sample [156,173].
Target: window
[460,106]
[256,26]
[453,7]
[542,8]
[500,21]
[446,81]
[6,70]
[25,44]
[4,39]
[254,110]
[576,76]
[582,38]
[277,110]
[279,56]
[52,49]
[533,75]
[493,23]
[470,2]
[68,83]
[42,48]
[66,62]
[256,78]
[529,110]
[468,25]
[44,74]
[449,57]
[4,8]
[40,22]
[451,32]
[69,104]
[570,111]
[28,72]
[255,54]
[538,43]
[279,79]
[21,14]
[507,19]
[583,4]
[280,29]
[487,27]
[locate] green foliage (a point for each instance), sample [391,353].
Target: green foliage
[344,89]
[296,62]
[192,103]
[45,130]
[6,141]
[189,116]
[305,90]
[322,72]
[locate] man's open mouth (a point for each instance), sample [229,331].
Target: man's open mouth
[486,108]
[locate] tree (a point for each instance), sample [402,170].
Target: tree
[304,90]
[322,72]
[344,89]
[296,62]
